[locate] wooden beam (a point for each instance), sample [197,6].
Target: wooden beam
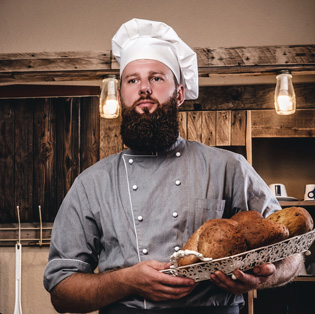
[87,65]
[267,124]
[247,97]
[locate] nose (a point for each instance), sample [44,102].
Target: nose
[145,88]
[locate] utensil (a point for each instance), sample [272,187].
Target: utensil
[18,257]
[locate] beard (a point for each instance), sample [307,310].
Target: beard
[150,132]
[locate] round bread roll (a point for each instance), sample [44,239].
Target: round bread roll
[221,238]
[297,219]
[258,231]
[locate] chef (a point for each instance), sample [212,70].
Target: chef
[128,213]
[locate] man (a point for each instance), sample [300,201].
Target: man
[129,212]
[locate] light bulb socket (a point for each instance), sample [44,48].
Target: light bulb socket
[284,72]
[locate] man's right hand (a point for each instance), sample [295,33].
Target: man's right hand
[84,293]
[145,279]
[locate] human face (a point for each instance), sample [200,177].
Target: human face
[145,83]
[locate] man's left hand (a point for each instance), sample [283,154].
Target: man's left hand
[244,281]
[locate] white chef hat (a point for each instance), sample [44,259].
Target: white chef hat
[144,39]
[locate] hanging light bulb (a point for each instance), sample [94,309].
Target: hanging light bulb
[285,102]
[109,107]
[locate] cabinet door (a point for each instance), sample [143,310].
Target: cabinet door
[45,143]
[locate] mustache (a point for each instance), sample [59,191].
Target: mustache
[145,97]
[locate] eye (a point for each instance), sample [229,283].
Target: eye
[132,81]
[157,79]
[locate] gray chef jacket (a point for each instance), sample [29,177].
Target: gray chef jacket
[130,207]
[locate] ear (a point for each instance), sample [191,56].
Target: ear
[180,94]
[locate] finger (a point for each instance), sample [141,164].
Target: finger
[243,282]
[264,270]
[176,281]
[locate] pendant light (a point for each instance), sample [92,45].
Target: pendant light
[109,106]
[285,102]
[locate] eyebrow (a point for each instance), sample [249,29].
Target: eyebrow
[150,74]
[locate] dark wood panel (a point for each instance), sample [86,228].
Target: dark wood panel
[23,173]
[44,145]
[7,201]
[67,144]
[24,91]
[89,132]
[249,97]
[266,123]
[44,159]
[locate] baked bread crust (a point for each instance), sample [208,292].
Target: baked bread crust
[258,231]
[297,219]
[221,238]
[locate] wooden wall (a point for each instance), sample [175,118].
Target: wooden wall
[44,144]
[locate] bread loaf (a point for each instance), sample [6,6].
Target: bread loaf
[297,219]
[221,238]
[258,231]
[192,244]
[215,238]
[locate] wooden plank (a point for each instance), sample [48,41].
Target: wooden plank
[30,233]
[208,127]
[28,90]
[210,97]
[194,121]
[266,123]
[264,55]
[65,66]
[223,128]
[182,116]
[54,76]
[238,128]
[110,138]
[67,145]
[7,201]
[44,159]
[249,97]
[55,61]
[23,172]
[89,132]
[249,147]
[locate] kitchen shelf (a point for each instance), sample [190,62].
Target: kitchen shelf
[297,203]
[305,278]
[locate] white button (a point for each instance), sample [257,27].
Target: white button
[178,154]
[130,161]
[176,248]
[135,187]
[140,218]
[145,251]
[175,215]
[177,182]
